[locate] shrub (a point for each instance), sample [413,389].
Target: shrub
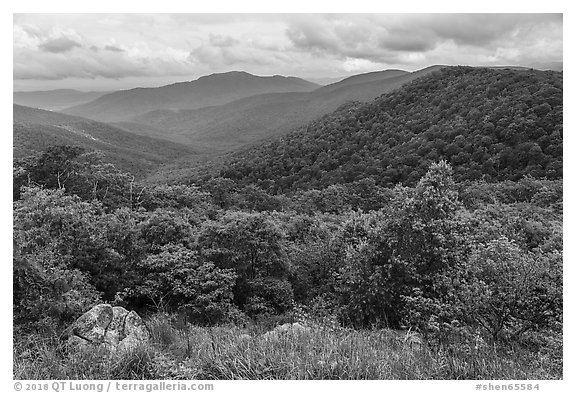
[177,278]
[269,295]
[510,290]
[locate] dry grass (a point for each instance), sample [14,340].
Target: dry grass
[233,353]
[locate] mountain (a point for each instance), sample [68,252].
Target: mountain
[36,129]
[490,124]
[215,89]
[326,81]
[363,78]
[55,100]
[252,119]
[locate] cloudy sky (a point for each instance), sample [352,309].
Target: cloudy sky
[118,51]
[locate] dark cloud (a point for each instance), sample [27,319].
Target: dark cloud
[305,35]
[384,37]
[222,41]
[59,45]
[407,41]
[483,29]
[113,48]
[218,56]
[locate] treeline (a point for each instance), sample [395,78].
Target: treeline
[440,256]
[488,124]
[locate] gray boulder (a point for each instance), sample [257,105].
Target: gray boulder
[113,328]
[92,325]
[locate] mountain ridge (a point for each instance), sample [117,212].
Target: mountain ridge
[259,117]
[54,100]
[209,90]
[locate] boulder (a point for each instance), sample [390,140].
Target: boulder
[115,332]
[92,325]
[113,328]
[135,331]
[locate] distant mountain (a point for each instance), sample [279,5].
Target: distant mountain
[326,81]
[252,119]
[489,124]
[36,129]
[55,100]
[215,89]
[363,78]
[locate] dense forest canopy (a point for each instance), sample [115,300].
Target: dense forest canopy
[488,124]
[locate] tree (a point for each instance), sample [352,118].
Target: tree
[511,290]
[163,227]
[56,246]
[404,250]
[250,243]
[78,172]
[177,278]
[73,230]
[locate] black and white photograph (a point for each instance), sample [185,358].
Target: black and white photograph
[287,196]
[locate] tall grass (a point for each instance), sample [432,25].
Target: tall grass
[47,358]
[229,352]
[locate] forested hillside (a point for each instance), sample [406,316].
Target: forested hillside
[488,124]
[35,130]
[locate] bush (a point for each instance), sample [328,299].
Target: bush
[177,278]
[269,296]
[511,291]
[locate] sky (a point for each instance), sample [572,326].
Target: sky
[104,52]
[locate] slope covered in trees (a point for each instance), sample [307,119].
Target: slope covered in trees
[34,130]
[488,124]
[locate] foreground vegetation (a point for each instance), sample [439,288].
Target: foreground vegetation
[227,352]
[475,270]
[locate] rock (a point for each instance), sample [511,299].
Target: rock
[93,324]
[115,332]
[135,332]
[111,327]
[79,343]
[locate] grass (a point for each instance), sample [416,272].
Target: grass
[229,352]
